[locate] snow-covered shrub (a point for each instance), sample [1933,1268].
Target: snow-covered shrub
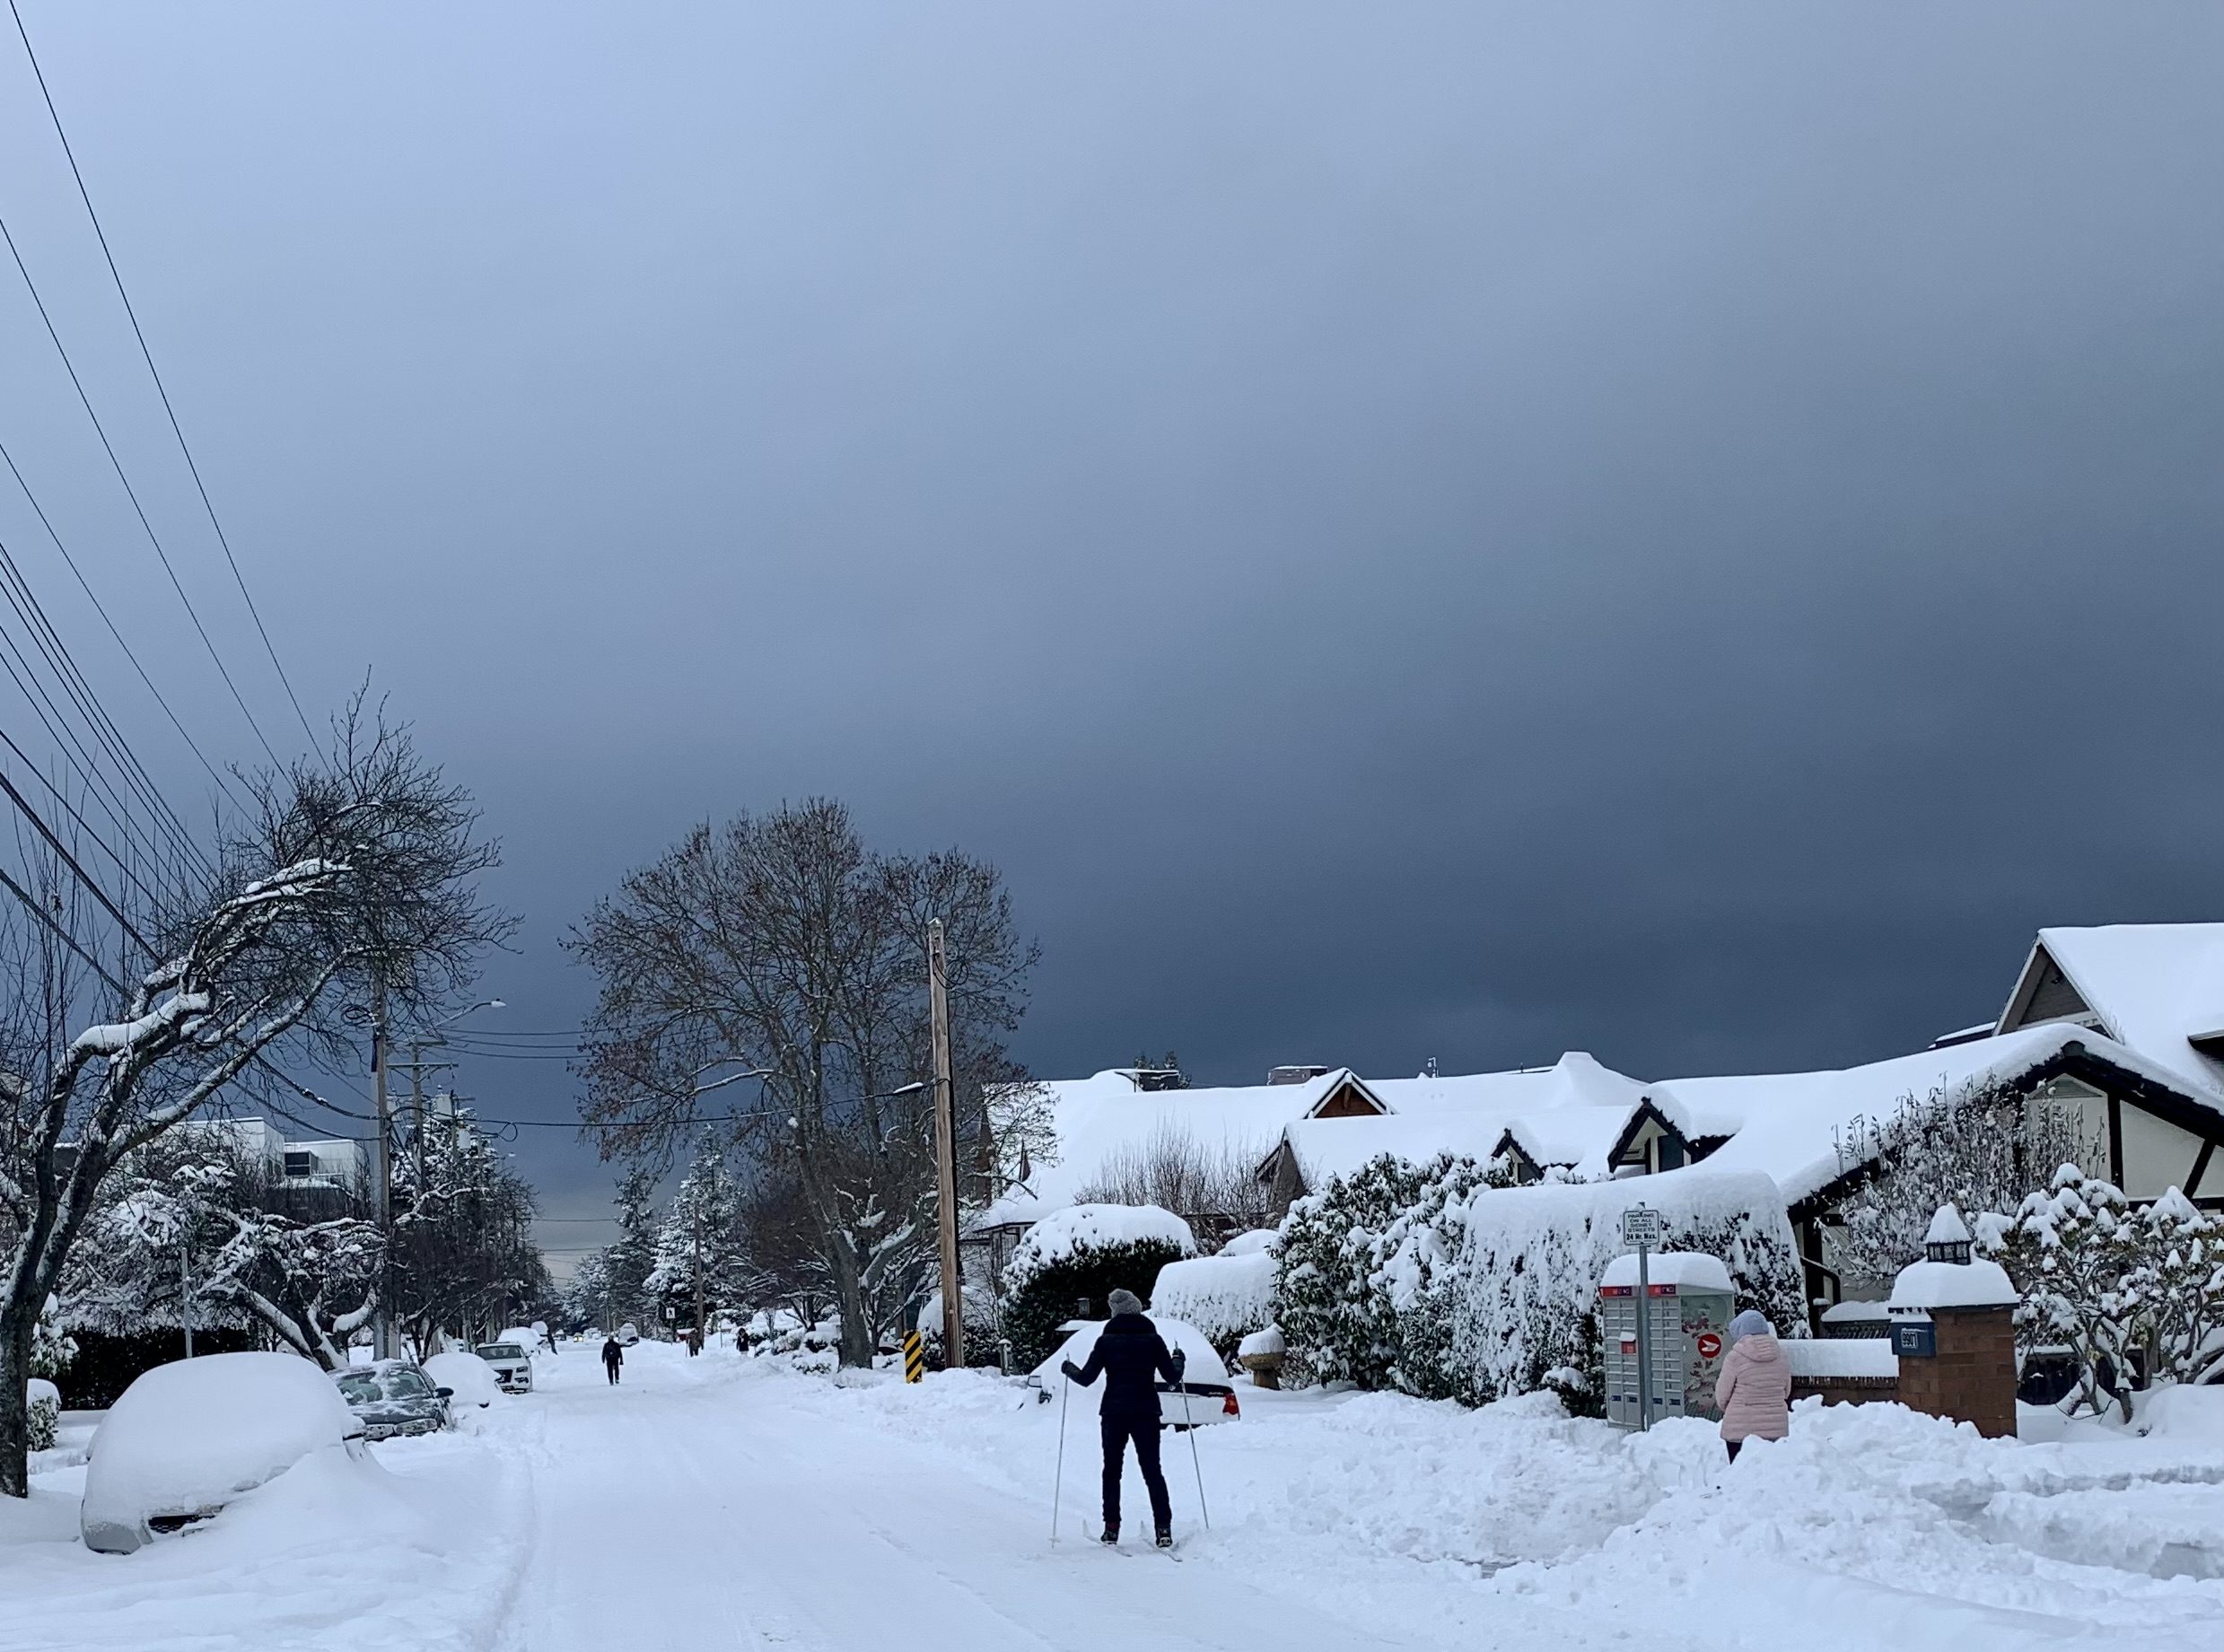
[1443,1282]
[1084,1253]
[1226,1297]
[2137,1294]
[52,1348]
[1978,1147]
[43,1404]
[1531,1261]
[1342,1317]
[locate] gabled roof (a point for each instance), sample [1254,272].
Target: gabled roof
[2156,988]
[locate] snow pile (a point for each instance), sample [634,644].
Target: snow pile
[1251,1244]
[472,1378]
[1060,1236]
[1227,1297]
[190,1436]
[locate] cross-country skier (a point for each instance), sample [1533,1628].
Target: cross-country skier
[1130,1352]
[613,1356]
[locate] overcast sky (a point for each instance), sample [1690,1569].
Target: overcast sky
[1687,533]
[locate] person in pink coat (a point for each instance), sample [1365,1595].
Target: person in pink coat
[1754,1392]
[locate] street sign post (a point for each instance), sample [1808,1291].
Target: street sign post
[1641,1231]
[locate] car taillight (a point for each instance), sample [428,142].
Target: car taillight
[1228,1407]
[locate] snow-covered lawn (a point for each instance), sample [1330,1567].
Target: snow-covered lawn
[722,1502]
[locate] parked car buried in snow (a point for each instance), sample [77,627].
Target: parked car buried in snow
[469,1379]
[1202,1397]
[393,1398]
[187,1438]
[514,1365]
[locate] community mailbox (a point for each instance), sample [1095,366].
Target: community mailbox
[1688,1306]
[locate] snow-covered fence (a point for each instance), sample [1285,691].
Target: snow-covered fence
[1227,1297]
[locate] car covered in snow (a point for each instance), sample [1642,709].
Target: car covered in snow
[1202,1397]
[627,1335]
[513,1362]
[470,1380]
[394,1398]
[187,1438]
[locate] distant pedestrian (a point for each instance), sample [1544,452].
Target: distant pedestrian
[695,1343]
[613,1356]
[1754,1392]
[1129,1353]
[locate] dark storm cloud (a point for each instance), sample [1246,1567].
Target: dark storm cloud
[1448,533]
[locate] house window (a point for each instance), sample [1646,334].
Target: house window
[1668,1152]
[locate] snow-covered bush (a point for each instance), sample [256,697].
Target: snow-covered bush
[2138,1294]
[1442,1281]
[1337,1322]
[1084,1252]
[1226,1297]
[43,1408]
[1978,1147]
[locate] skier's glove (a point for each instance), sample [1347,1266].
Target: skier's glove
[1179,1361]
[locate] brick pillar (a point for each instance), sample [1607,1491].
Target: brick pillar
[1972,1378]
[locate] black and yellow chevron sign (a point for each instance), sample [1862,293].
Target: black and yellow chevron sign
[915,1357]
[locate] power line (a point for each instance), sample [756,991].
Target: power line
[99,607]
[81,693]
[132,493]
[163,391]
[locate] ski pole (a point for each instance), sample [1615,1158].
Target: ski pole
[1065,1388]
[1194,1463]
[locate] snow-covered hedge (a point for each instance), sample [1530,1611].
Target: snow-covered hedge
[1440,1280]
[1227,1297]
[1084,1253]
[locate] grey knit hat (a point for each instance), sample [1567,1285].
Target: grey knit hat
[1125,1302]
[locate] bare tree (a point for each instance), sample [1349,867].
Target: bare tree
[779,955]
[1213,1186]
[352,874]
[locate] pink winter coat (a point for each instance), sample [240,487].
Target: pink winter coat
[1754,1392]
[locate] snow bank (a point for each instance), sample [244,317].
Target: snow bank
[1250,1244]
[189,1437]
[1095,1227]
[472,1378]
[1226,1297]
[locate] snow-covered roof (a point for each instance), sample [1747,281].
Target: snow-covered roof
[2153,987]
[1099,1118]
[1791,1125]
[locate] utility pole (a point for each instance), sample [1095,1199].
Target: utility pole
[383,1340]
[945,1149]
[699,1274]
[185,1286]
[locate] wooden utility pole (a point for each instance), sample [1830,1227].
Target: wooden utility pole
[384,1339]
[945,1149]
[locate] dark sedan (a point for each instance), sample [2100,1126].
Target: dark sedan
[393,1398]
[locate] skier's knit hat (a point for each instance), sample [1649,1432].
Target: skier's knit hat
[1125,1302]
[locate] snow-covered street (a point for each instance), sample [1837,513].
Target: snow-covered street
[715,1502]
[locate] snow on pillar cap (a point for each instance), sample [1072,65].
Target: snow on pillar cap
[1922,1286]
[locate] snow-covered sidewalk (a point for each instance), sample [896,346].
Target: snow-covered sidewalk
[722,1502]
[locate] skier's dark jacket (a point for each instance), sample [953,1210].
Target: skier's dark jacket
[1129,1352]
[613,1353]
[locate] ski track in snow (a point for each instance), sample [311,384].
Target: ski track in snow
[717,1502]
